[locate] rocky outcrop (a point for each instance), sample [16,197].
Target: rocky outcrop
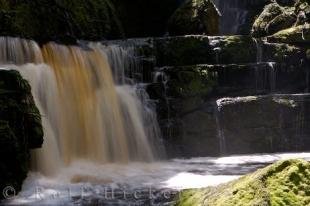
[195,117]
[283,19]
[283,183]
[195,17]
[20,129]
[192,72]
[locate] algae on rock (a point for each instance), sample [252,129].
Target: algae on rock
[283,183]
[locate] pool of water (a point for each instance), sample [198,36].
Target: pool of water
[85,183]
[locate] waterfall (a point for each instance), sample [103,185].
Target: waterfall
[89,111]
[220,131]
[232,18]
[272,76]
[161,77]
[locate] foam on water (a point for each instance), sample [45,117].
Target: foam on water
[85,180]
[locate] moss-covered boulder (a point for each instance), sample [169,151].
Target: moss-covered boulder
[294,35]
[273,18]
[195,17]
[283,183]
[63,20]
[281,15]
[20,129]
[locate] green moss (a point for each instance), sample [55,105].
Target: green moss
[186,50]
[294,35]
[191,81]
[270,12]
[237,49]
[283,183]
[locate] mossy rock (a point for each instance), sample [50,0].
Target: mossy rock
[281,15]
[195,17]
[190,81]
[294,35]
[282,21]
[183,50]
[20,129]
[237,49]
[283,183]
[270,12]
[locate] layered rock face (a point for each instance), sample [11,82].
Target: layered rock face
[20,129]
[283,183]
[193,75]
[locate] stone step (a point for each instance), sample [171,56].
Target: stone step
[258,124]
[200,49]
[243,125]
[233,79]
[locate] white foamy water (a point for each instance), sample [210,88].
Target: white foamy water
[83,182]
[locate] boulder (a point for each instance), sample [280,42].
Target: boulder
[282,15]
[282,183]
[195,17]
[270,12]
[20,129]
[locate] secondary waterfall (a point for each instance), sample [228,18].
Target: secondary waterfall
[233,17]
[86,115]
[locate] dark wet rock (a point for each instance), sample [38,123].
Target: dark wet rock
[20,129]
[272,123]
[190,117]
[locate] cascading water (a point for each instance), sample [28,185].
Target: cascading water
[219,129]
[232,16]
[85,114]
